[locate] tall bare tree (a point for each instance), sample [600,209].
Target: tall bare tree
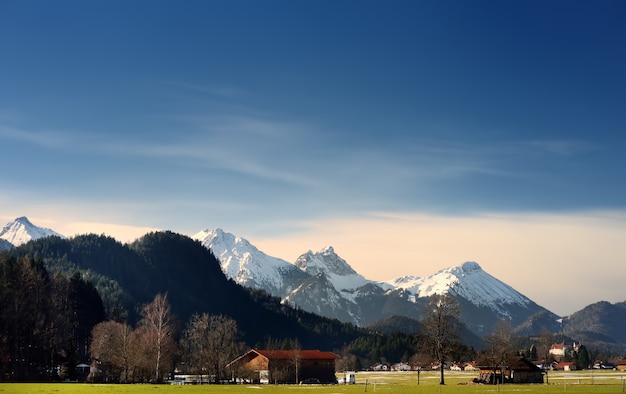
[210,342]
[159,330]
[500,346]
[223,343]
[440,328]
[195,344]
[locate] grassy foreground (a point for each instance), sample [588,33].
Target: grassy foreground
[392,383]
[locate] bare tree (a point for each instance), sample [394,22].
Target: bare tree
[195,344]
[210,342]
[296,359]
[500,346]
[222,343]
[440,328]
[159,325]
[114,344]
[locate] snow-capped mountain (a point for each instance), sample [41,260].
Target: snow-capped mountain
[467,281]
[478,293]
[336,269]
[21,230]
[326,284]
[248,266]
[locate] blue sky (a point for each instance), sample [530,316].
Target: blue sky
[276,120]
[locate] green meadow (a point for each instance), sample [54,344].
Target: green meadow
[392,383]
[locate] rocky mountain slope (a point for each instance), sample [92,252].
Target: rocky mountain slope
[5,245]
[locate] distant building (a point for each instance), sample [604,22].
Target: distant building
[401,367]
[456,367]
[379,367]
[559,350]
[565,366]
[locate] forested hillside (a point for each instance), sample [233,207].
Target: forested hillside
[601,323]
[128,276]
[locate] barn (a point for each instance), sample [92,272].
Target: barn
[287,366]
[520,370]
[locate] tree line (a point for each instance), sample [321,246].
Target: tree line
[45,320]
[151,351]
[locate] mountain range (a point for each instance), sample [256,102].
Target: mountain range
[325,284]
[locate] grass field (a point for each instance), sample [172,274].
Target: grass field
[392,383]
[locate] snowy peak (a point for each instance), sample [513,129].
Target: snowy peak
[21,230]
[336,269]
[467,281]
[325,261]
[248,266]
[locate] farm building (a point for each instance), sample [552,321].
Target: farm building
[518,371]
[287,366]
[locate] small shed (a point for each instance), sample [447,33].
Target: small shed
[520,370]
[525,371]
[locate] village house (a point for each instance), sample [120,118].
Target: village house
[470,367]
[621,365]
[379,367]
[401,367]
[286,366]
[559,350]
[456,367]
[565,366]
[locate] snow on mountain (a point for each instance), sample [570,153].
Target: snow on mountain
[326,284]
[467,281]
[21,230]
[248,266]
[336,269]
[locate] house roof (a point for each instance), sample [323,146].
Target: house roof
[522,364]
[301,354]
[283,355]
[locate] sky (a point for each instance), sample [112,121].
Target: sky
[410,135]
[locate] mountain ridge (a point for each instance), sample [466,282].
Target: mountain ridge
[375,300]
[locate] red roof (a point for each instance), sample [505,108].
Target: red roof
[302,354]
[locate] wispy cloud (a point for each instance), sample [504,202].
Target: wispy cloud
[564,147]
[47,139]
